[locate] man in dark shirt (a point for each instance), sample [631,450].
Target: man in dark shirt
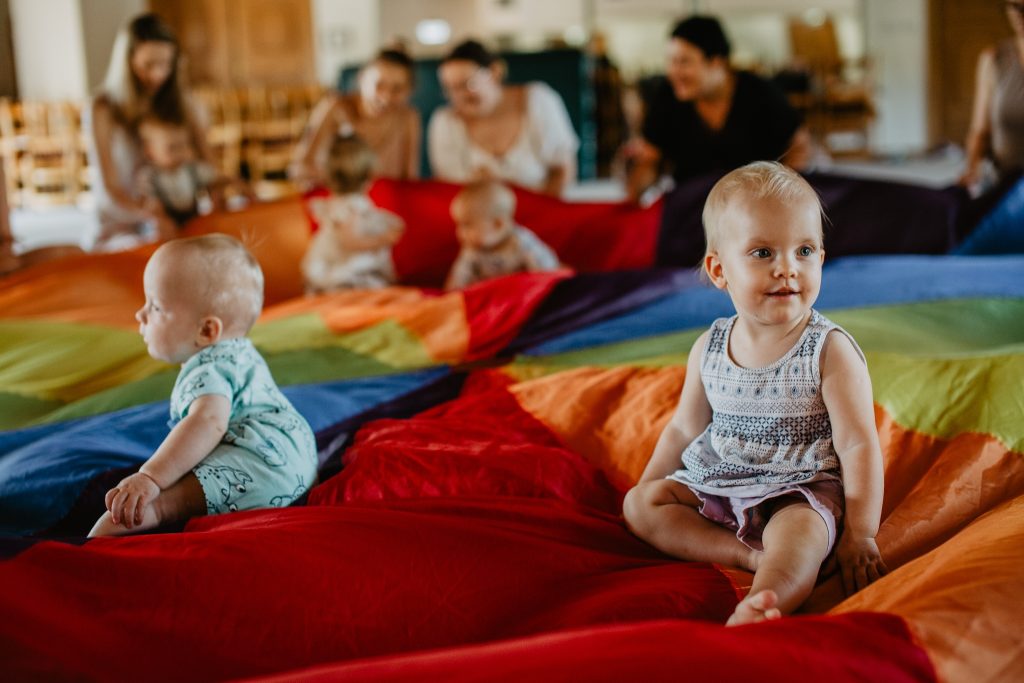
[706,117]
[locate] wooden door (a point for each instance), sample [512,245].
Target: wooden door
[243,42]
[960,30]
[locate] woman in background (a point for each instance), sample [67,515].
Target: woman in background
[378,112]
[997,120]
[517,133]
[143,77]
[997,134]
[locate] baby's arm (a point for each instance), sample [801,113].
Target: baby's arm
[461,274]
[189,442]
[846,390]
[690,419]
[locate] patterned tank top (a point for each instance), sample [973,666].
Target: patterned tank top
[769,425]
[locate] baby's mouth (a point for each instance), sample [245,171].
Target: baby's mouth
[784,292]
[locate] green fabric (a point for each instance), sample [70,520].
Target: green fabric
[55,361]
[387,342]
[969,350]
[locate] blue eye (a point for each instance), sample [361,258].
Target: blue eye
[763,252]
[805,251]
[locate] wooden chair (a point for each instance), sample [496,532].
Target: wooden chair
[271,130]
[50,155]
[839,100]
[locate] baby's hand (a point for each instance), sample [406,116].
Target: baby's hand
[859,561]
[128,500]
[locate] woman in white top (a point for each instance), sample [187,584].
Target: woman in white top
[143,77]
[517,133]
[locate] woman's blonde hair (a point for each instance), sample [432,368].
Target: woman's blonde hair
[758,180]
[121,86]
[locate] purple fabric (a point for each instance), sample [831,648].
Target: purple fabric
[866,216]
[588,298]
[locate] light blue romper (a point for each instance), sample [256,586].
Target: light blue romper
[267,457]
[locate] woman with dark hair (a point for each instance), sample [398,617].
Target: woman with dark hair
[378,112]
[517,133]
[708,117]
[143,78]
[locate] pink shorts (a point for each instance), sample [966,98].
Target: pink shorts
[748,516]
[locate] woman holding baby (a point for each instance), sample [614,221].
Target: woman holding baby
[143,78]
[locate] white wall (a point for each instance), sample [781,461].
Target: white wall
[49,54]
[346,32]
[533,23]
[897,34]
[101,20]
[398,18]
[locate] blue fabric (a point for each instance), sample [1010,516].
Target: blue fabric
[846,283]
[1001,231]
[44,469]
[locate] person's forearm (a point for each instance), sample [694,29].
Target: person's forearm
[667,453]
[555,182]
[189,442]
[798,156]
[642,174]
[863,485]
[977,145]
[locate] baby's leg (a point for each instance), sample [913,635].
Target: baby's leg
[795,544]
[664,513]
[183,500]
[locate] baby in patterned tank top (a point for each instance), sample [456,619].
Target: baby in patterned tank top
[771,461]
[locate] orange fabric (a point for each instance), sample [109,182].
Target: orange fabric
[106,289]
[101,289]
[952,531]
[962,600]
[613,417]
[934,487]
[277,234]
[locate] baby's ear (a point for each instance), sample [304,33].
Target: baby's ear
[713,269]
[210,329]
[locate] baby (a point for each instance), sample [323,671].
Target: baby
[172,179]
[772,451]
[352,248]
[237,443]
[492,243]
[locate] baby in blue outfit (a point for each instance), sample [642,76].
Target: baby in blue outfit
[237,443]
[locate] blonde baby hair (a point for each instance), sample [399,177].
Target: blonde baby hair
[225,276]
[756,181]
[492,196]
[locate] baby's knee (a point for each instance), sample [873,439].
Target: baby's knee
[639,504]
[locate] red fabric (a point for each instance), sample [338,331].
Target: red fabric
[482,445]
[856,647]
[592,236]
[497,309]
[470,523]
[250,594]
[315,193]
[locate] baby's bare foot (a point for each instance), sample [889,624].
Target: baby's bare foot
[754,608]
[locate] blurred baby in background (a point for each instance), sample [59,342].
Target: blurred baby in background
[493,244]
[352,248]
[173,180]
